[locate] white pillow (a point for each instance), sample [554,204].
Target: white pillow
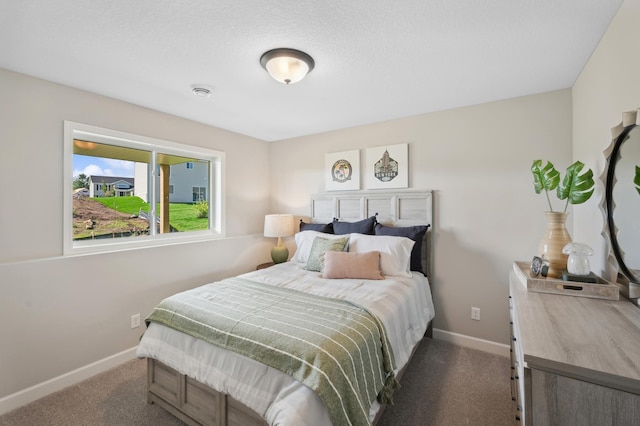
[395,252]
[304,241]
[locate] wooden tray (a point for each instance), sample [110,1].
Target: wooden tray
[600,290]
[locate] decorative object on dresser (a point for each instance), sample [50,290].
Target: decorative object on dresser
[539,267]
[574,360]
[599,288]
[621,204]
[279,225]
[578,267]
[576,188]
[555,237]
[342,171]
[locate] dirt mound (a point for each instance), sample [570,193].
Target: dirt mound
[91,218]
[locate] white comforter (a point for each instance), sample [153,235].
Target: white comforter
[403,304]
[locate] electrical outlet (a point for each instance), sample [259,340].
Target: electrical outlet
[475,314]
[135,321]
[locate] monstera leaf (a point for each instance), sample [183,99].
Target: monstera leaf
[576,188]
[545,178]
[637,179]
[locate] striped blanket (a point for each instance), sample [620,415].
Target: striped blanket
[334,347]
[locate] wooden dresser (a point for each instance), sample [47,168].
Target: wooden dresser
[575,360]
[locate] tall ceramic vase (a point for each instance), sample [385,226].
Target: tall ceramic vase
[554,239]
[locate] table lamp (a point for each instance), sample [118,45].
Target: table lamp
[279,225]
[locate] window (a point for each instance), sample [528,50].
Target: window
[138,195]
[199,194]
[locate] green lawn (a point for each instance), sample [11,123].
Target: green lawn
[183,217]
[130,205]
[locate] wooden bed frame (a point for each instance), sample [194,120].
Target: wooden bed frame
[197,404]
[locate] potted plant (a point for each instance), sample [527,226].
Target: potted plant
[575,188]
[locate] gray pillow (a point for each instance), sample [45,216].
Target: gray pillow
[326,228]
[365,226]
[319,247]
[416,233]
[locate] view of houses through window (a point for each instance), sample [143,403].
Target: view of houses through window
[124,191]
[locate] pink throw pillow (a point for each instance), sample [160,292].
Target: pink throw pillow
[352,265]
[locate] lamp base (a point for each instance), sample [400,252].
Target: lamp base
[279,254]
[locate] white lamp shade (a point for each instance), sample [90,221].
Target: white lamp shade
[278,225]
[287,70]
[287,65]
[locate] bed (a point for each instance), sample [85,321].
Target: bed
[203,384]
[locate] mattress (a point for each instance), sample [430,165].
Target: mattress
[404,306]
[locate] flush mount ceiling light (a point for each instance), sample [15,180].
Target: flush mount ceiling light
[287,65]
[201,92]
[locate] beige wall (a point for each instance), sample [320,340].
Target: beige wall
[607,87]
[477,160]
[59,314]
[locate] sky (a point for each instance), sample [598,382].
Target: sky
[99,166]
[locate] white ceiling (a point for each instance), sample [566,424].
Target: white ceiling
[375,60]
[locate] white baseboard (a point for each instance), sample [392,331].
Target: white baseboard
[471,342]
[40,390]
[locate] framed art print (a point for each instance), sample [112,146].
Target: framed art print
[387,167]
[342,171]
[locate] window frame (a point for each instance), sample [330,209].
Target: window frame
[216,159]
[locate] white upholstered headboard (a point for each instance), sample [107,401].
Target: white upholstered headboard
[394,208]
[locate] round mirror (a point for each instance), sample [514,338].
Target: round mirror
[623,202]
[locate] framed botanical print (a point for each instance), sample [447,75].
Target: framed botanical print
[342,171]
[387,167]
